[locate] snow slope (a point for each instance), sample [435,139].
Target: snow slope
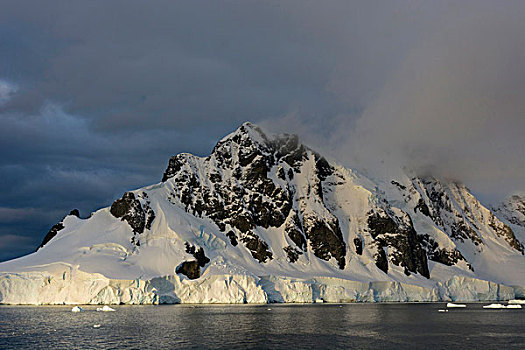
[266,219]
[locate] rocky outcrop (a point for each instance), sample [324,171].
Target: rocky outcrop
[138,215]
[192,268]
[198,253]
[446,256]
[52,233]
[259,249]
[397,235]
[56,228]
[292,253]
[189,269]
[503,230]
[326,239]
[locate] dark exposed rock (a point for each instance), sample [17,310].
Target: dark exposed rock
[401,238]
[280,174]
[294,231]
[190,269]
[129,209]
[288,148]
[52,233]
[461,231]
[358,242]
[150,216]
[198,253]
[422,207]
[215,177]
[56,228]
[506,232]
[398,185]
[201,258]
[381,259]
[174,166]
[257,247]
[326,239]
[292,253]
[233,238]
[379,225]
[324,169]
[242,222]
[444,256]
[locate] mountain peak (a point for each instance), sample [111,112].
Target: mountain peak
[244,131]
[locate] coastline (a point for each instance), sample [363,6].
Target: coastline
[81,288]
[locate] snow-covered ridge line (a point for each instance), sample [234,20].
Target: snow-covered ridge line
[266,205]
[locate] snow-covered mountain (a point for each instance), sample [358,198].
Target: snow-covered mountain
[264,218]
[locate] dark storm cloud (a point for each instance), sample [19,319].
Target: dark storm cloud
[164,64]
[95,96]
[453,108]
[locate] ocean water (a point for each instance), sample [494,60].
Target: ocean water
[273,326]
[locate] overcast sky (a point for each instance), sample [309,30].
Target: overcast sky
[95,96]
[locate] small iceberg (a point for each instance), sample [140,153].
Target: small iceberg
[494,306]
[517,301]
[96,326]
[105,308]
[452,305]
[77,309]
[442,310]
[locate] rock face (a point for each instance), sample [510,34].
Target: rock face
[57,227]
[52,233]
[400,237]
[265,218]
[191,269]
[138,215]
[453,209]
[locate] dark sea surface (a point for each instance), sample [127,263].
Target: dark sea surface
[273,326]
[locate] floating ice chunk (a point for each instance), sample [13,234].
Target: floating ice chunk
[442,310]
[516,301]
[452,305]
[105,308]
[77,309]
[494,306]
[319,300]
[501,306]
[96,326]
